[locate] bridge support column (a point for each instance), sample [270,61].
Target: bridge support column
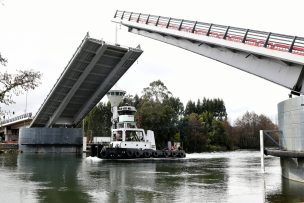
[291,123]
[53,140]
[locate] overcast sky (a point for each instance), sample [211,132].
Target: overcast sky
[43,35]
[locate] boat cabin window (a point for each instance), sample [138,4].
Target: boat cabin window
[117,136]
[126,112]
[116,93]
[120,125]
[134,136]
[130,125]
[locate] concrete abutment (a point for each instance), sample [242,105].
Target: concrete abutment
[291,123]
[51,140]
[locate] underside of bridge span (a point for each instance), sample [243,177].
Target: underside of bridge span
[275,57]
[92,71]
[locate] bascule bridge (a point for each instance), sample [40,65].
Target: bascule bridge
[92,71]
[275,57]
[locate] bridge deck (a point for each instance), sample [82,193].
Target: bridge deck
[275,57]
[94,68]
[280,42]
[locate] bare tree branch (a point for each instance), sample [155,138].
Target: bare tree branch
[3,61]
[17,84]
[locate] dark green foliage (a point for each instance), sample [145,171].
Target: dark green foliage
[159,111]
[98,122]
[193,134]
[129,100]
[215,106]
[159,117]
[211,114]
[190,108]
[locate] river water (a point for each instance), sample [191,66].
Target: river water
[205,177]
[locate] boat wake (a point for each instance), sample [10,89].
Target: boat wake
[194,156]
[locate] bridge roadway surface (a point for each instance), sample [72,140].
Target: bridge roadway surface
[93,70]
[275,57]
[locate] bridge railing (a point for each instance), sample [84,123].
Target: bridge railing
[285,43]
[26,115]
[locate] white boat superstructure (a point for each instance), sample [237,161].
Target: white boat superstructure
[125,133]
[127,140]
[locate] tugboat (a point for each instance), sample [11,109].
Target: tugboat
[128,141]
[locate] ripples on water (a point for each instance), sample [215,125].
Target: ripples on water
[204,177]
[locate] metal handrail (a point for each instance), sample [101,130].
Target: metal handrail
[26,115]
[268,40]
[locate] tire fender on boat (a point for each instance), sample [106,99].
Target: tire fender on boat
[155,154]
[174,153]
[129,153]
[166,153]
[147,154]
[137,154]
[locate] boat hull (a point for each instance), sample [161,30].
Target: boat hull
[133,153]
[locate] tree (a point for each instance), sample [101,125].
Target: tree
[190,108]
[159,111]
[130,100]
[16,83]
[98,122]
[3,61]
[212,117]
[193,134]
[214,106]
[156,91]
[246,129]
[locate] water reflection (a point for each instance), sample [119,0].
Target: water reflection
[207,177]
[155,180]
[290,191]
[8,161]
[55,175]
[12,188]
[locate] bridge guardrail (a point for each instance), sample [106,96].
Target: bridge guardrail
[26,115]
[275,41]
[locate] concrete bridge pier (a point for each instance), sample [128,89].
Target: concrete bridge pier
[51,140]
[291,123]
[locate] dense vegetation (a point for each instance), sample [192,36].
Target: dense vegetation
[98,121]
[200,126]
